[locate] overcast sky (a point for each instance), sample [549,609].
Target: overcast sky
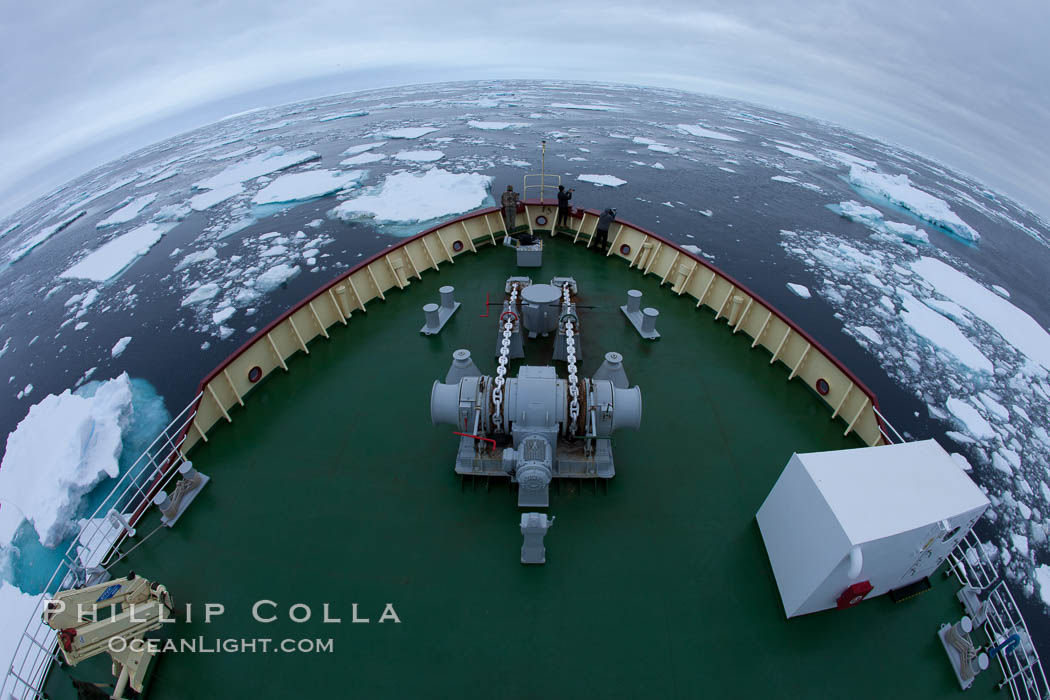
[964,81]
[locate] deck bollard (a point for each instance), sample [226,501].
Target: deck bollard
[634,301]
[433,319]
[462,366]
[447,302]
[643,320]
[612,369]
[649,315]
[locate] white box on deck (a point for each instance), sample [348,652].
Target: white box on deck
[904,507]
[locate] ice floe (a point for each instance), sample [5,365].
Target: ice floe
[43,235]
[943,333]
[201,294]
[206,200]
[275,277]
[64,446]
[301,187]
[700,131]
[130,212]
[343,115]
[412,197]
[361,148]
[586,108]
[899,190]
[196,257]
[873,219]
[799,290]
[120,346]
[271,161]
[602,180]
[495,126]
[363,159]
[409,132]
[419,156]
[1014,325]
[108,261]
[798,153]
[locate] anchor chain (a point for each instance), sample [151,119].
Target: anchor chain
[504,359]
[570,358]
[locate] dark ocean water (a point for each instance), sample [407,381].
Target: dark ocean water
[174,346]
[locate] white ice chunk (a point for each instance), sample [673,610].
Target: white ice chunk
[129,212]
[206,200]
[411,132]
[196,257]
[409,197]
[942,333]
[43,235]
[495,126]
[361,148]
[971,421]
[269,162]
[783,178]
[201,293]
[275,277]
[798,153]
[588,108]
[870,333]
[64,447]
[120,346]
[108,261]
[343,115]
[705,133]
[602,180]
[363,159]
[1014,325]
[1042,577]
[419,156]
[799,290]
[899,190]
[299,187]
[223,314]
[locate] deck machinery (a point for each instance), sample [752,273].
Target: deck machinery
[537,426]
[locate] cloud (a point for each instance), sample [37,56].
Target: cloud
[963,83]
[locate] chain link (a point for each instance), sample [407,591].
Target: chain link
[570,358]
[504,359]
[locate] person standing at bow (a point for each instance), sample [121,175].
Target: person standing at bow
[601,233]
[563,206]
[509,201]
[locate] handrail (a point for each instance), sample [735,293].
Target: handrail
[1021,667]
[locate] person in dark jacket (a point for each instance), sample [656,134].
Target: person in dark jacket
[563,206]
[601,234]
[509,202]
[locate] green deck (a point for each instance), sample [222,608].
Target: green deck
[332,486]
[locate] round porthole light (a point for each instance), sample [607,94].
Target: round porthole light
[457,246]
[823,387]
[625,249]
[541,220]
[255,374]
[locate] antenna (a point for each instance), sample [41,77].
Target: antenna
[543,167]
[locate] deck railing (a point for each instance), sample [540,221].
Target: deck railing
[97,546]
[1021,666]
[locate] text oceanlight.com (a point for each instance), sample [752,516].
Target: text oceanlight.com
[202,645]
